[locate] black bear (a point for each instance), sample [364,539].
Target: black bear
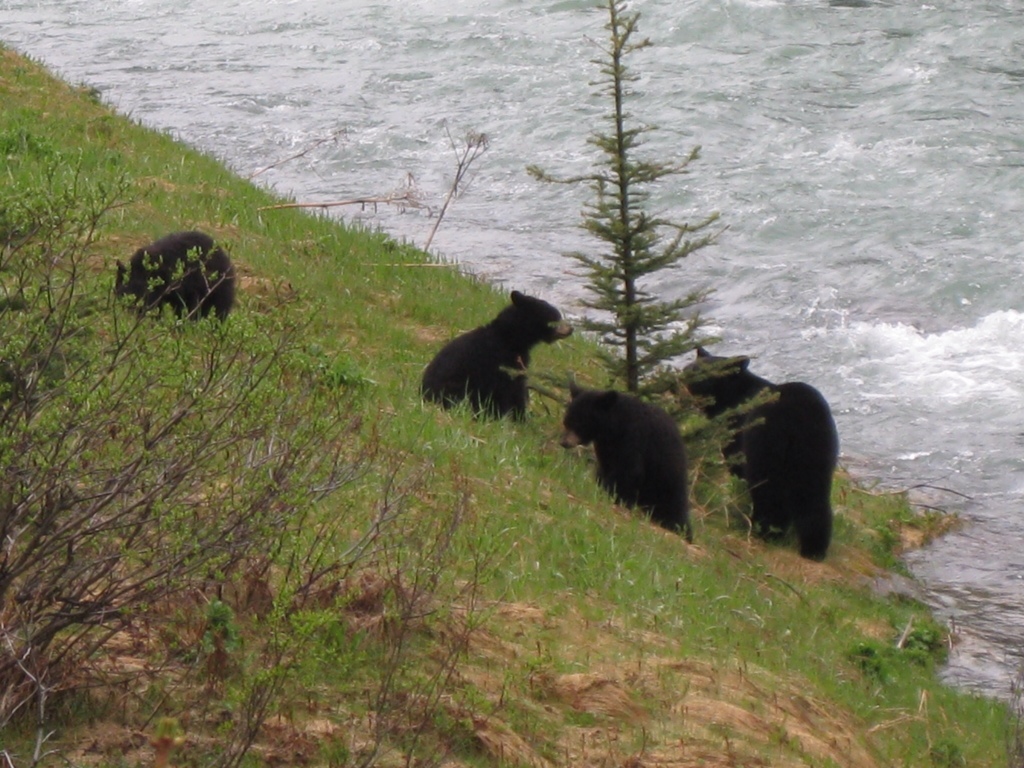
[788,448]
[184,270]
[488,365]
[641,459]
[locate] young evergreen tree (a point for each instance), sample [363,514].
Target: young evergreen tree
[643,331]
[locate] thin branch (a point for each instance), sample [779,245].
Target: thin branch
[476,145]
[402,199]
[333,137]
[906,633]
[931,487]
[789,586]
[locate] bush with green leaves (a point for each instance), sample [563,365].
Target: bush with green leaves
[140,457]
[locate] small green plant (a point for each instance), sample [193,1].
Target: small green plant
[922,643]
[929,638]
[220,640]
[167,736]
[947,754]
[337,371]
[334,752]
[870,658]
[19,140]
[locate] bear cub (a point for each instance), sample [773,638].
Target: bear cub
[788,448]
[487,365]
[184,270]
[641,459]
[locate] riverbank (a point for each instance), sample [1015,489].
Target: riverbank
[587,636]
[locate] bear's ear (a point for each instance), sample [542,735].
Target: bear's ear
[701,352]
[743,361]
[517,297]
[607,399]
[122,270]
[574,390]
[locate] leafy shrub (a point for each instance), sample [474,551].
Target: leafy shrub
[139,457]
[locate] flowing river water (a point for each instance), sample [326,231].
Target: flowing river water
[867,157]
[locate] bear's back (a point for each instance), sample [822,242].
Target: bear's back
[471,366]
[192,275]
[805,411]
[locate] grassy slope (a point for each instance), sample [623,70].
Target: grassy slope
[606,637]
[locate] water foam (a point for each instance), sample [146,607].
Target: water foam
[956,366]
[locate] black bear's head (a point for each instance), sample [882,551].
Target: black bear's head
[722,382]
[587,415]
[531,320]
[122,277]
[131,278]
[144,278]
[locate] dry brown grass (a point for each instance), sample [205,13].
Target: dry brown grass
[631,702]
[651,709]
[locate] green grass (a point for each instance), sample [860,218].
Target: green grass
[728,652]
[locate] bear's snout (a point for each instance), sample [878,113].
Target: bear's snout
[570,439]
[560,330]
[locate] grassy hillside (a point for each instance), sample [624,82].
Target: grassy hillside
[474,599]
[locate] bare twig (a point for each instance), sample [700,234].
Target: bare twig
[41,693]
[1015,730]
[402,199]
[938,488]
[789,586]
[333,137]
[923,486]
[476,144]
[906,633]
